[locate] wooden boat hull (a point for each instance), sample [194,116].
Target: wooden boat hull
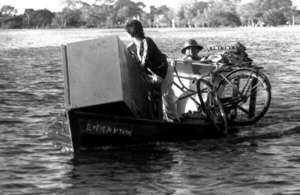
[91,130]
[109,101]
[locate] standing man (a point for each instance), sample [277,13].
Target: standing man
[155,65]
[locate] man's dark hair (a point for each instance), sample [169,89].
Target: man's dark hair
[135,29]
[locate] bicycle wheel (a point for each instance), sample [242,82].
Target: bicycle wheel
[245,95]
[211,105]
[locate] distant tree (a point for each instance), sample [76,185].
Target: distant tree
[72,17]
[296,16]
[59,20]
[8,10]
[41,18]
[224,5]
[162,10]
[85,10]
[200,6]
[146,20]
[220,18]
[28,13]
[191,12]
[12,22]
[247,13]
[153,12]
[274,18]
[162,21]
[162,16]
[265,5]
[172,17]
[269,12]
[200,20]
[123,14]
[126,9]
[222,13]
[98,16]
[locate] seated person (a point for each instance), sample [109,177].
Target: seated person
[193,66]
[191,49]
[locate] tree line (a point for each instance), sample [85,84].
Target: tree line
[194,13]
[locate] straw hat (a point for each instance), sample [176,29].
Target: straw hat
[191,43]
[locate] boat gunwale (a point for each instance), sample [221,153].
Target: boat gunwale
[137,120]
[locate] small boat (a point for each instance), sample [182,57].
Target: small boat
[90,130]
[108,103]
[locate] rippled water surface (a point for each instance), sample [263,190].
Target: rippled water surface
[260,159]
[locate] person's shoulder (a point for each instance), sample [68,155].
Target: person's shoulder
[149,40]
[151,43]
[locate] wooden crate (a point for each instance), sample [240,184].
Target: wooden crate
[102,72]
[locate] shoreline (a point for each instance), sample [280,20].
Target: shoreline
[159,29]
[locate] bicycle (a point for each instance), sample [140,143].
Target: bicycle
[244,91]
[239,94]
[215,114]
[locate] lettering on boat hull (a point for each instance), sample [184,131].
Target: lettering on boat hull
[97,127]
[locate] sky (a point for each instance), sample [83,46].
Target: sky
[56,5]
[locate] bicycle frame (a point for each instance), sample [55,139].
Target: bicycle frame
[182,87]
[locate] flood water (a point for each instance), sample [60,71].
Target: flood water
[260,159]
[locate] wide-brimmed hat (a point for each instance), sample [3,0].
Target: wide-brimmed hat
[191,43]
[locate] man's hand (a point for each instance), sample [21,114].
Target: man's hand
[154,79]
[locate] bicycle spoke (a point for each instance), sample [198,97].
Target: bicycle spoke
[247,83]
[252,89]
[195,101]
